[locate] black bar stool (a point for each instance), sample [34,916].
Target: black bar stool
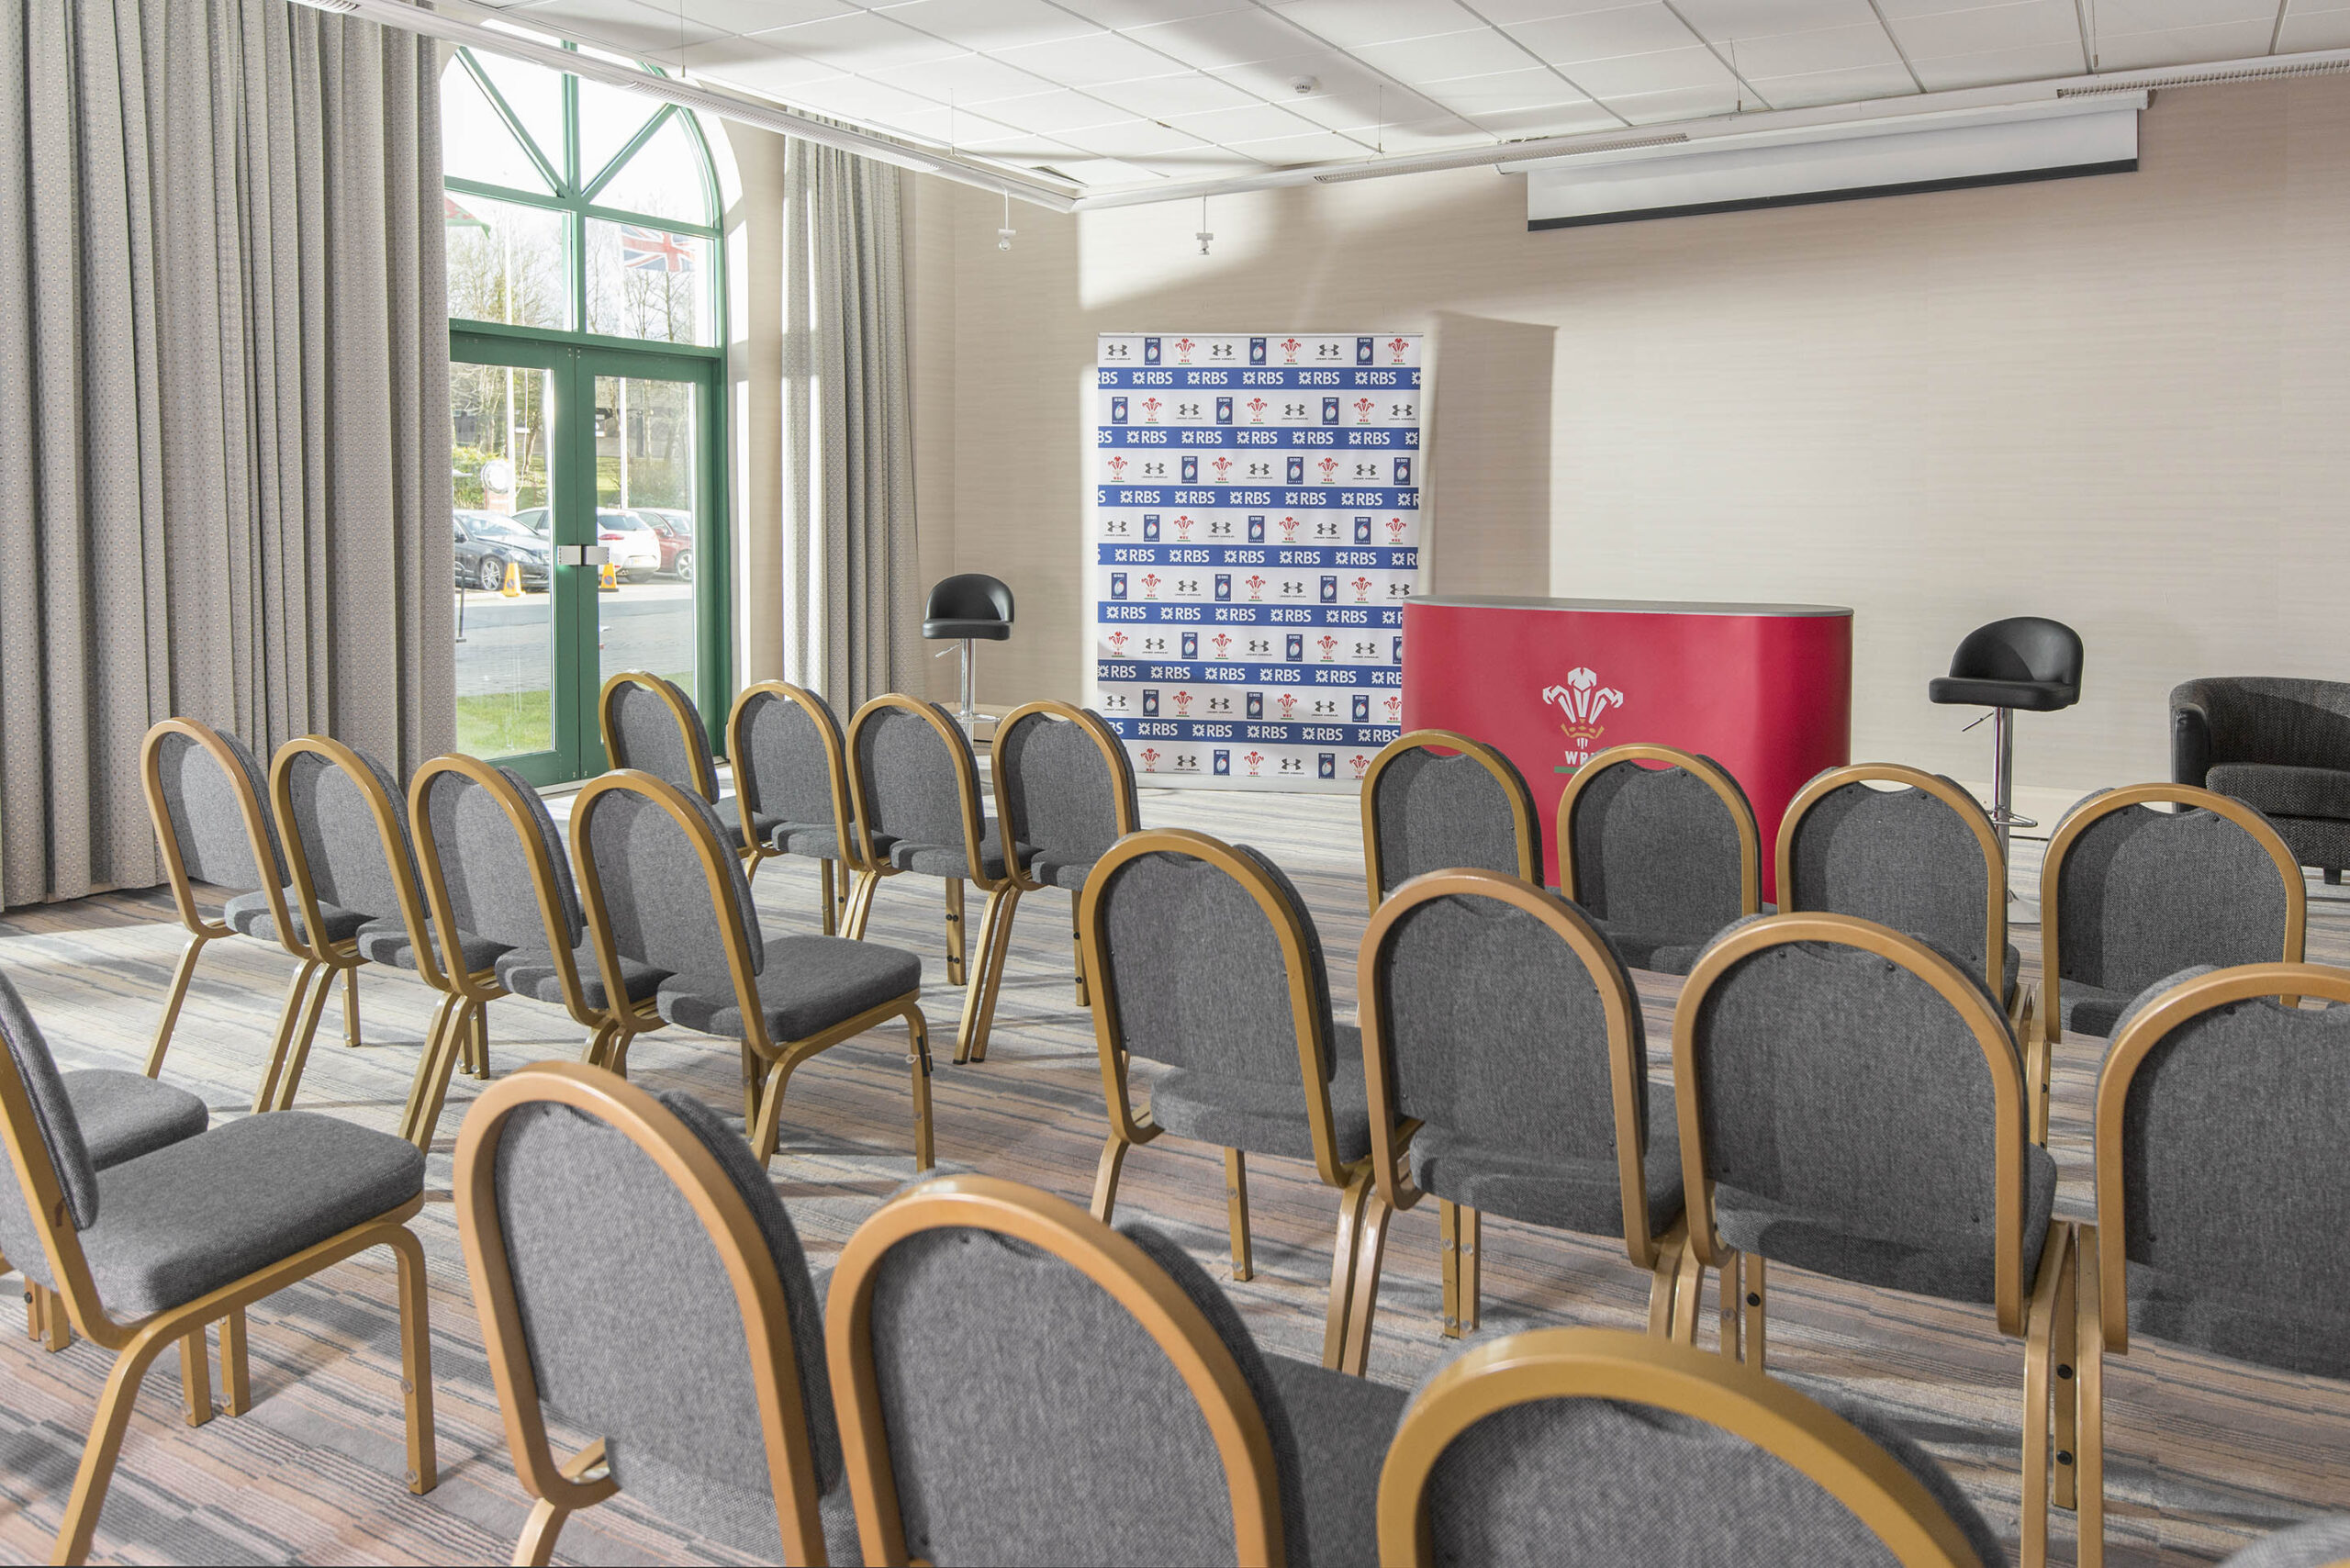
[965,607]
[2027,662]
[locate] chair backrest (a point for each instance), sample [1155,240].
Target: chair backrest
[2129,894]
[210,800]
[969,596]
[1596,1445]
[2219,1170]
[636,1276]
[659,885]
[492,862]
[1425,811]
[1205,958]
[1064,785]
[1848,1071]
[1921,859]
[346,838]
[1665,849]
[790,765]
[2021,647]
[2291,722]
[1018,1382]
[649,725]
[912,774]
[54,1194]
[1494,1008]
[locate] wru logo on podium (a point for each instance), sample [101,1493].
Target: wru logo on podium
[1582,699]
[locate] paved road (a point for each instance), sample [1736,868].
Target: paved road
[504,646]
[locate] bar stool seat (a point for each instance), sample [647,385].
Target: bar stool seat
[2030,695]
[2026,662]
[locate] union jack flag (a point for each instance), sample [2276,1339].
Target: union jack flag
[654,251]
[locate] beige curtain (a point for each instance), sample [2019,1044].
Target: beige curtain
[852,598]
[224,432]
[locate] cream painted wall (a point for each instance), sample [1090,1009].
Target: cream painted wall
[2119,401]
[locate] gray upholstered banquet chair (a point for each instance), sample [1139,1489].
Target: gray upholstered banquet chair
[1206,962]
[650,724]
[2280,744]
[1018,1382]
[339,816]
[792,785]
[1423,811]
[662,891]
[2318,1543]
[1064,791]
[209,798]
[1660,848]
[917,786]
[2221,1184]
[495,871]
[588,1209]
[145,1255]
[1851,1103]
[1592,1445]
[1506,1061]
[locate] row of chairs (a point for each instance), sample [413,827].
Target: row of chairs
[1660,848]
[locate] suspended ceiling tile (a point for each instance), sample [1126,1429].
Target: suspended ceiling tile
[987,25]
[1992,67]
[1803,54]
[859,42]
[1678,103]
[1856,84]
[1722,19]
[1447,55]
[1667,70]
[2314,29]
[754,15]
[1532,87]
[1132,140]
[1125,14]
[1306,147]
[1181,93]
[1088,61]
[1106,174]
[1551,119]
[757,64]
[621,24]
[962,79]
[858,99]
[1611,34]
[957,129]
[1251,122]
[1057,111]
[1355,24]
[1980,30]
[2111,18]
[2182,46]
[1345,91]
[1224,39]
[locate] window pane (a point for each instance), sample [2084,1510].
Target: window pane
[645,509]
[609,119]
[662,179]
[535,95]
[506,263]
[647,282]
[498,417]
[475,141]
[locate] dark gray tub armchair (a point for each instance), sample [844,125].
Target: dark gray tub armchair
[2280,744]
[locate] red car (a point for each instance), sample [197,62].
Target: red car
[674,529]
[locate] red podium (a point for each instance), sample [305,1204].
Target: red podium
[1764,690]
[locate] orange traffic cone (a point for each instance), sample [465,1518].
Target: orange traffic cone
[513,584]
[611,583]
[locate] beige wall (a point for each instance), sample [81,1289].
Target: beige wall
[2119,401]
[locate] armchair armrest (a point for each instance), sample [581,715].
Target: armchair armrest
[2190,743]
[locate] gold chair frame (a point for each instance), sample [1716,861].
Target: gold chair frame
[135,1344]
[266,865]
[2069,832]
[1055,1225]
[2048,1320]
[559,1489]
[1129,819]
[1633,1369]
[746,793]
[767,1064]
[1521,799]
[2105,1264]
[1711,774]
[1391,1132]
[1353,1181]
[1003,893]
[689,722]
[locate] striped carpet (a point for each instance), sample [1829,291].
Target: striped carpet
[2203,1455]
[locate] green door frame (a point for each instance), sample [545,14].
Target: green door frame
[576,676]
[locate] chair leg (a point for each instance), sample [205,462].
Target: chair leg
[615,1052]
[598,1043]
[830,917]
[479,1035]
[2063,1360]
[1370,1255]
[2332,876]
[1105,1177]
[2088,1395]
[184,972]
[860,905]
[537,1547]
[1756,1310]
[1687,1298]
[291,1079]
[1732,1292]
[1077,947]
[195,1378]
[236,1367]
[918,1066]
[351,1007]
[979,998]
[416,1361]
[101,1448]
[1473,1268]
[1235,1213]
[768,1130]
[1664,1278]
[954,930]
[296,991]
[430,1086]
[2037,1347]
[1343,1256]
[1448,1223]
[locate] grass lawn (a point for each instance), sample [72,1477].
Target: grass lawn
[505,723]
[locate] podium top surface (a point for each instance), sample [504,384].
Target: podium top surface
[1625,606]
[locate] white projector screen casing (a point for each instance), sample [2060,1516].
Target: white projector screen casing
[1843,164]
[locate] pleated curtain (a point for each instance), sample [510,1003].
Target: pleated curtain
[852,598]
[224,431]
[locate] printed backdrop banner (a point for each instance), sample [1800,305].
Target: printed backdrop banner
[1256,531]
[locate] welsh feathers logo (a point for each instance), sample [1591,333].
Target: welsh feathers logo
[1582,700]
[1290,347]
[1397,346]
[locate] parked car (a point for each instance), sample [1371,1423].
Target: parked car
[677,531]
[538,520]
[486,544]
[633,547]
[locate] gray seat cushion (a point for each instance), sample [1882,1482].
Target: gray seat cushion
[126,1114]
[2091,1010]
[385,942]
[2308,1335]
[1659,952]
[807,985]
[1341,1426]
[532,974]
[817,841]
[2320,1543]
[1259,1116]
[248,916]
[948,859]
[1583,1195]
[193,1216]
[1787,1234]
[1060,870]
[2282,791]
